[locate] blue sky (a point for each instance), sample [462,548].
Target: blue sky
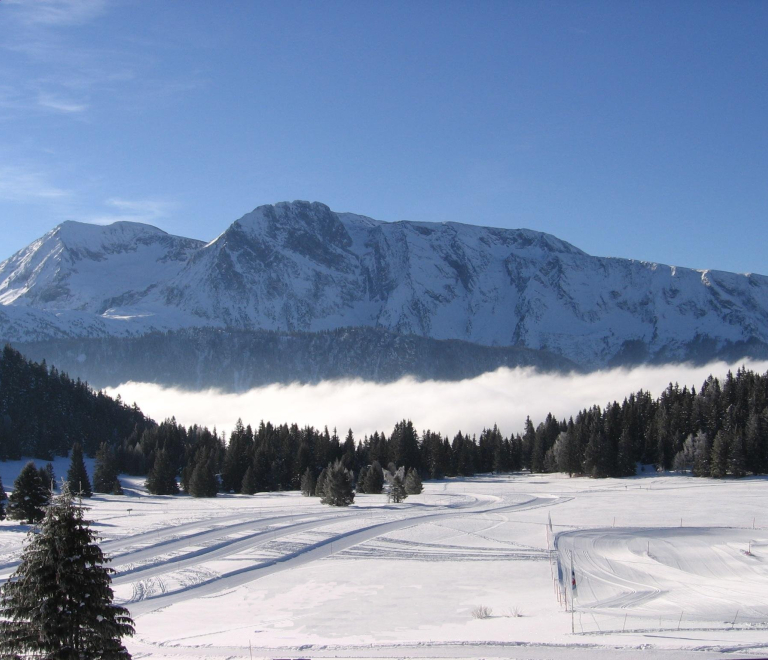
[632,129]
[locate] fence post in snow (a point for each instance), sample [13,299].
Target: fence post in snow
[573,607]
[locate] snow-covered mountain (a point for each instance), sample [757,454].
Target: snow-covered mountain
[301,267]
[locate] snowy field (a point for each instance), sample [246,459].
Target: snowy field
[666,566]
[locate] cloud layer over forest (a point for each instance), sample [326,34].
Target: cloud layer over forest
[504,397]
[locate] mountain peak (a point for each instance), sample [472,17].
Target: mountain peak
[84,234]
[296,223]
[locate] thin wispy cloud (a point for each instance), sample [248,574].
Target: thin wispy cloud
[51,69]
[132,210]
[60,104]
[56,12]
[504,397]
[21,184]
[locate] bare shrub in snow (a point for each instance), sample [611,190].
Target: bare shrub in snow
[481,612]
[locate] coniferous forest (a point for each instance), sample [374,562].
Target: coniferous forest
[43,412]
[718,430]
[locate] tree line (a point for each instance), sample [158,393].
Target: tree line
[718,430]
[43,412]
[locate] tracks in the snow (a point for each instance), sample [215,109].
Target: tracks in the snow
[151,600]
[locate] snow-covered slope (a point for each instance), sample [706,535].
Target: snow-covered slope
[104,271]
[300,266]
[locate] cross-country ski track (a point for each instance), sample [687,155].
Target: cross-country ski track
[666,566]
[335,544]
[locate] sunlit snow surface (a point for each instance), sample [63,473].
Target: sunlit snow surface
[280,575]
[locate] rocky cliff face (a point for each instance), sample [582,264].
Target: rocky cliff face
[301,267]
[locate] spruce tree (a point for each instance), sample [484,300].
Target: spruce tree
[162,476]
[105,471]
[374,479]
[261,469]
[3,498]
[48,477]
[308,483]
[249,485]
[203,482]
[754,439]
[396,483]
[58,603]
[599,456]
[413,485]
[77,476]
[320,485]
[568,453]
[625,462]
[719,465]
[702,455]
[736,459]
[236,458]
[29,496]
[338,489]
[360,485]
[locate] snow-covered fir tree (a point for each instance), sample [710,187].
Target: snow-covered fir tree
[413,485]
[58,603]
[396,481]
[308,483]
[338,490]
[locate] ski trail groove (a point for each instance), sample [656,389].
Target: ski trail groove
[311,553]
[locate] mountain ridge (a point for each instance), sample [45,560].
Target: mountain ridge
[299,266]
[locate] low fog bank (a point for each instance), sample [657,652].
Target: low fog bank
[503,397]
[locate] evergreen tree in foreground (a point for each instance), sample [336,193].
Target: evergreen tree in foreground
[29,497]
[77,476]
[337,490]
[58,603]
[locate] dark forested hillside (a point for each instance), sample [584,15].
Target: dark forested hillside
[237,360]
[43,412]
